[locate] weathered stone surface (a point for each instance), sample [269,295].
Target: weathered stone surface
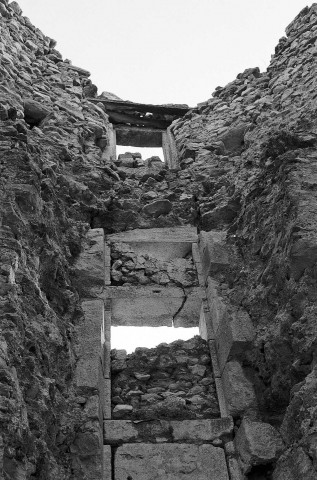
[177,382]
[201,431]
[89,269]
[294,464]
[214,253]
[117,432]
[234,337]
[154,305]
[238,389]
[158,207]
[218,308]
[34,111]
[257,444]
[90,347]
[158,462]
[107,463]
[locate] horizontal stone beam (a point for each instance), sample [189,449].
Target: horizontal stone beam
[185,234]
[199,431]
[154,306]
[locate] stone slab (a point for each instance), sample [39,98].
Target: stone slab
[188,316]
[107,463]
[161,243]
[107,345]
[89,348]
[234,336]
[217,307]
[205,324]
[170,461]
[257,443]
[223,407]
[185,234]
[117,432]
[201,431]
[107,399]
[214,254]
[214,358]
[154,306]
[107,257]
[89,267]
[238,389]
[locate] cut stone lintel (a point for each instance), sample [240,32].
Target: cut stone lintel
[186,234]
[199,431]
[154,306]
[139,137]
[170,461]
[162,243]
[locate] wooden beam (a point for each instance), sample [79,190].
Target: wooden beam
[120,105]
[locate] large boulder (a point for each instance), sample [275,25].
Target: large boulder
[34,112]
[257,444]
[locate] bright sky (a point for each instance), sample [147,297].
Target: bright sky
[164,51]
[128,338]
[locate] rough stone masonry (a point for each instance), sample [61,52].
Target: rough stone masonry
[245,176]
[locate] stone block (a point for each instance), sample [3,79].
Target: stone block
[89,346]
[214,253]
[107,345]
[89,269]
[257,444]
[188,315]
[196,254]
[214,358]
[201,431]
[119,431]
[107,463]
[221,398]
[87,452]
[154,306]
[234,336]
[173,461]
[107,268]
[238,390]
[218,308]
[234,469]
[161,243]
[205,324]
[107,399]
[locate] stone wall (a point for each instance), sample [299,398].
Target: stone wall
[171,381]
[131,267]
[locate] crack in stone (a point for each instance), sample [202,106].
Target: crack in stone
[180,308]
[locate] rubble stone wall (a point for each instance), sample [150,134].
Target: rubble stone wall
[173,381]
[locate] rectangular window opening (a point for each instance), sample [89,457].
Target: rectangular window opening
[143,153]
[130,338]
